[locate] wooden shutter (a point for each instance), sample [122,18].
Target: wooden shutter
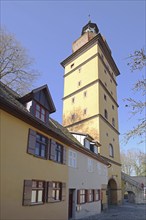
[49,191]
[64,155]
[99,193]
[53,150]
[63,194]
[94,195]
[31,142]
[86,195]
[78,196]
[27,190]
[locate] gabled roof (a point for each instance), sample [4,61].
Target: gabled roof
[10,103]
[31,95]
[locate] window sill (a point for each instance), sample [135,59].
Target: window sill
[37,203]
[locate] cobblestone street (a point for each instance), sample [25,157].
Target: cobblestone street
[126,211]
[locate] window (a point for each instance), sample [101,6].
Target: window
[105,71]
[73,117]
[56,191]
[111,93]
[79,69]
[105,114]
[96,194]
[113,122]
[92,147]
[113,107]
[41,145]
[90,165]
[39,192]
[87,143]
[85,111]
[71,66]
[45,148]
[105,97]
[57,152]
[111,150]
[81,196]
[34,191]
[79,83]
[72,159]
[85,93]
[40,112]
[90,195]
[73,100]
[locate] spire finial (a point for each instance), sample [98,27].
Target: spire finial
[89,19]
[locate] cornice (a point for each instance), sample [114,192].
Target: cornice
[89,118]
[88,85]
[97,39]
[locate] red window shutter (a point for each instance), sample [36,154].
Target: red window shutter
[94,195]
[27,192]
[99,193]
[63,194]
[31,142]
[64,155]
[86,195]
[78,196]
[53,150]
[49,191]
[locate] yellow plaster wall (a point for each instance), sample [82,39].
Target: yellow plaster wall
[17,166]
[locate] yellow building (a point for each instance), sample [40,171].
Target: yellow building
[34,173]
[90,100]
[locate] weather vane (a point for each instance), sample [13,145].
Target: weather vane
[89,18]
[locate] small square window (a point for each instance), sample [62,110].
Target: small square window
[85,111]
[79,83]
[73,100]
[85,93]
[71,66]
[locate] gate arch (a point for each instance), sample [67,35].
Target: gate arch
[112,192]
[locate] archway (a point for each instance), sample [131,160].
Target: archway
[112,192]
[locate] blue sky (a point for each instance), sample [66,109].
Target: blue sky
[48,28]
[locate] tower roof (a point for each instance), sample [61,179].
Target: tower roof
[90,27]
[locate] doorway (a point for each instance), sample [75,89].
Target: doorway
[71,203]
[112,192]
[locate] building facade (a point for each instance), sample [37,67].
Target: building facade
[39,169]
[90,100]
[87,176]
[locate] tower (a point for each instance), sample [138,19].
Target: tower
[90,100]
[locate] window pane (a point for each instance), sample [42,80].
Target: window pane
[37,114]
[34,184]
[42,117]
[43,151]
[40,196]
[37,107]
[33,196]
[37,149]
[57,194]
[40,185]
[53,194]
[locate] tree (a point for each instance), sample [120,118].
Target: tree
[137,61]
[134,163]
[15,65]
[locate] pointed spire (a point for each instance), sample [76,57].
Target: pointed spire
[89,19]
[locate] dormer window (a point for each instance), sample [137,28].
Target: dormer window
[40,112]
[87,143]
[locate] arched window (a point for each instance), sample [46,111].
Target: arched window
[105,114]
[113,122]
[111,150]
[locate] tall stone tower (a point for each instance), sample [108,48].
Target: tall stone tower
[90,100]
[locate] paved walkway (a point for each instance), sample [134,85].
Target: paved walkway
[126,211]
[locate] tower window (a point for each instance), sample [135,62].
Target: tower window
[105,114]
[111,150]
[85,93]
[79,83]
[111,93]
[73,116]
[71,66]
[85,111]
[113,107]
[73,100]
[79,69]
[105,97]
[113,122]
